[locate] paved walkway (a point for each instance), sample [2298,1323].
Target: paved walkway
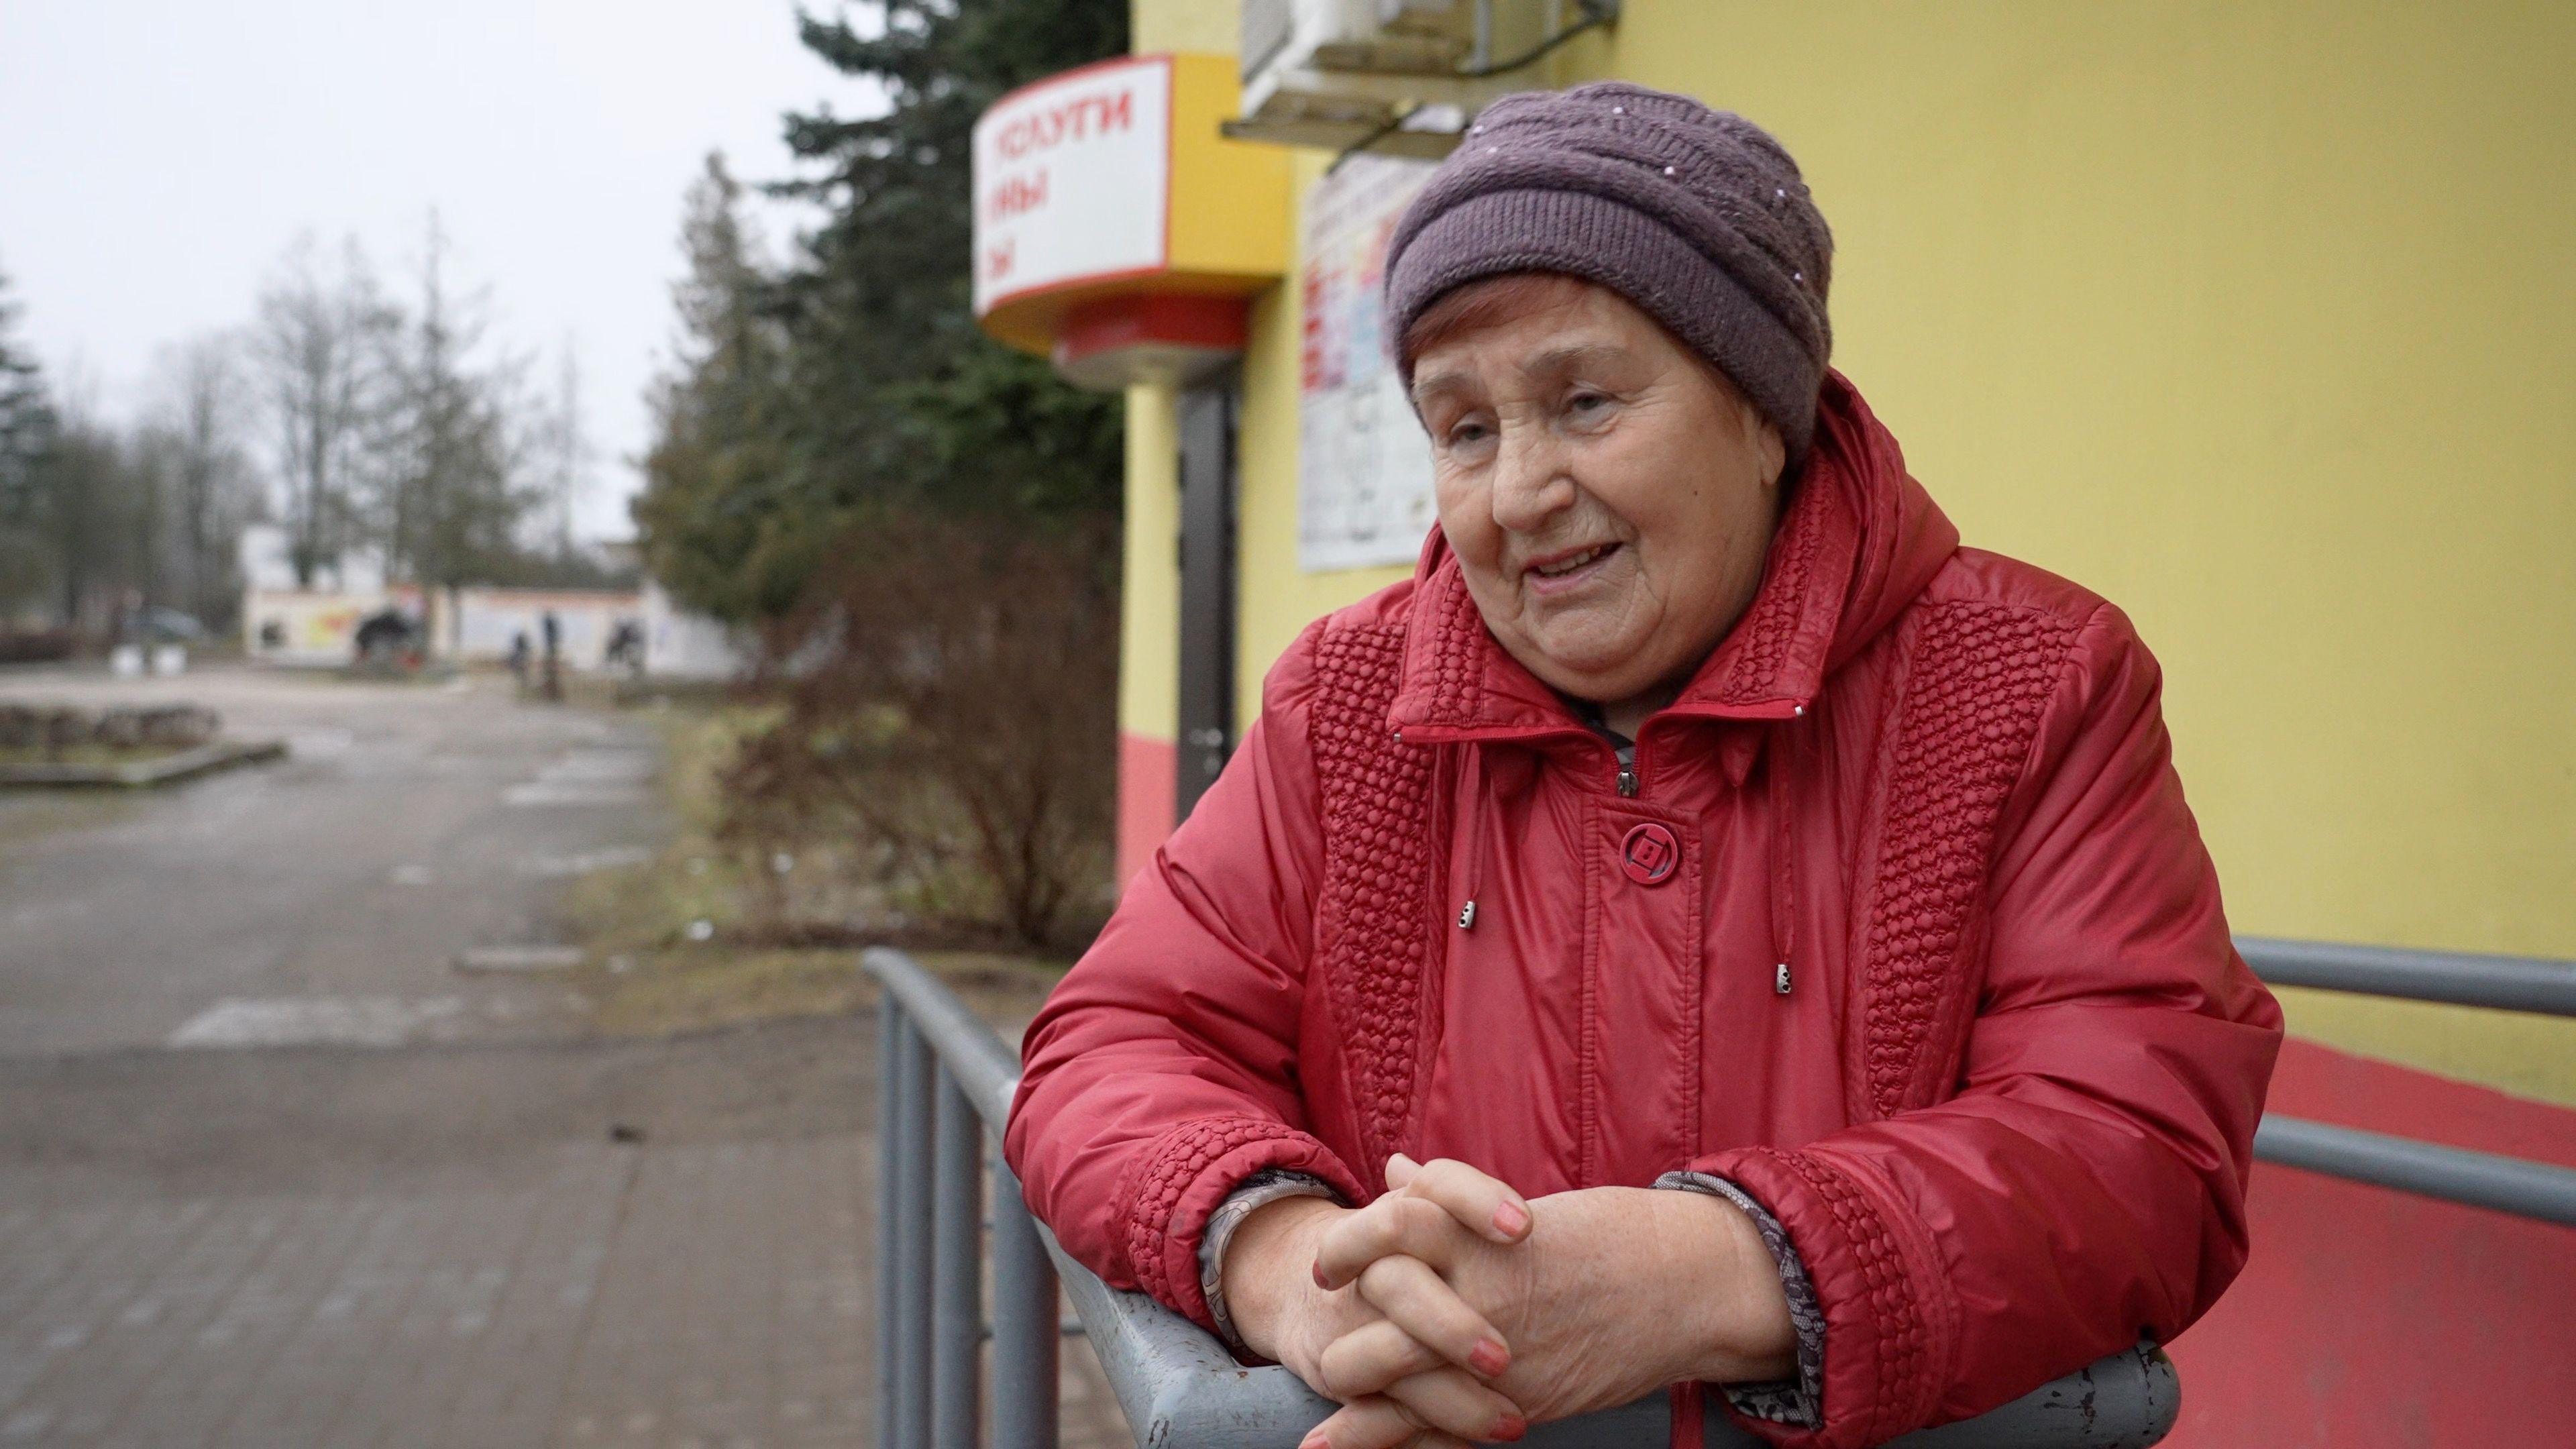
[710,1294]
[386,1203]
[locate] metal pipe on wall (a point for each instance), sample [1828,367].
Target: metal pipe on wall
[2429,1169]
[2506,983]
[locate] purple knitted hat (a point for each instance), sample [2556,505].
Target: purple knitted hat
[1697,216]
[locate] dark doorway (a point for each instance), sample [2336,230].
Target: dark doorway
[1207,420]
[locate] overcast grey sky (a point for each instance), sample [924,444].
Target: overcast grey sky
[157,156]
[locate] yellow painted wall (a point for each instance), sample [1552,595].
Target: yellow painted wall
[1149,651]
[1239,220]
[2260,319]
[2257,318]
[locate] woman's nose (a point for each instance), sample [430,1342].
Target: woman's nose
[1531,484]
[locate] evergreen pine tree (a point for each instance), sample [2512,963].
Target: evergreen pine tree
[27,430]
[855,383]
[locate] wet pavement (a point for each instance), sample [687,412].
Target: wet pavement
[323,897]
[275,1171]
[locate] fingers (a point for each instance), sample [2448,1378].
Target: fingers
[1374,1422]
[1422,1304]
[1446,1399]
[1485,1204]
[1368,1358]
[1416,1227]
[1379,1421]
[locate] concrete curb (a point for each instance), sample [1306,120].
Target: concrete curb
[167,770]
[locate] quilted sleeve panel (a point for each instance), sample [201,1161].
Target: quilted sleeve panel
[1373,923]
[1979,679]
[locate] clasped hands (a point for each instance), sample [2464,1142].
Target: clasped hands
[1453,1310]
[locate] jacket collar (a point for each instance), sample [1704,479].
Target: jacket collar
[1859,540]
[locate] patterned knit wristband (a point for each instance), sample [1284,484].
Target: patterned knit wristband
[1257,1191]
[1799,1401]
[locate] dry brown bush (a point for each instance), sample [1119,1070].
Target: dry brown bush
[948,716]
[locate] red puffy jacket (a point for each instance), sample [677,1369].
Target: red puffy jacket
[2004,1106]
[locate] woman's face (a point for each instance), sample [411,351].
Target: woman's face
[1610,496]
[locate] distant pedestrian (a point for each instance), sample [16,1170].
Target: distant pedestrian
[519,659]
[552,628]
[626,647]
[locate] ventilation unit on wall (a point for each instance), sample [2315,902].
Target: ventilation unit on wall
[1394,76]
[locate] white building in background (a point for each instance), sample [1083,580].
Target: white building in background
[679,644]
[478,625]
[284,624]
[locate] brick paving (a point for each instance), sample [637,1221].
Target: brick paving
[698,1296]
[274,1173]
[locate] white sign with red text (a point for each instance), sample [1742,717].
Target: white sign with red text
[1073,179]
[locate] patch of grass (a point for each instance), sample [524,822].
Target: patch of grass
[692,938]
[684,989]
[692,988]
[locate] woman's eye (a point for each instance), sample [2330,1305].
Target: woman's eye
[1466,434]
[1587,405]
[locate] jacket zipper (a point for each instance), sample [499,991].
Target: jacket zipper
[1632,771]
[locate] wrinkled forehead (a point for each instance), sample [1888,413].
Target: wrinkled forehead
[1536,327]
[1489,303]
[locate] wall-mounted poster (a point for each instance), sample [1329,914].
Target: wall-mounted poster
[1363,465]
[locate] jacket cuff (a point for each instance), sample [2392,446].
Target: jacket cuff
[1168,1192]
[1878,1281]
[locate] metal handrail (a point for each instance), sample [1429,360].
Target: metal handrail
[947,1084]
[2428,1169]
[948,1081]
[2506,983]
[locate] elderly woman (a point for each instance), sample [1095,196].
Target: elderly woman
[1707,930]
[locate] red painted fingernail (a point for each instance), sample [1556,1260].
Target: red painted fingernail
[1321,1282]
[1506,1429]
[1512,1218]
[1489,1358]
[1314,1440]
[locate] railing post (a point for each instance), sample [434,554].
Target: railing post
[957,1267]
[1026,1331]
[911,1263]
[891,1077]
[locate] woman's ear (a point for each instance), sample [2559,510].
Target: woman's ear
[1770,449]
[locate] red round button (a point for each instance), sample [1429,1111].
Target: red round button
[1649,854]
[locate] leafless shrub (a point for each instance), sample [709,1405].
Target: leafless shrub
[948,717]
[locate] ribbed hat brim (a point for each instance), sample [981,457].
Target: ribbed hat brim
[1600,240]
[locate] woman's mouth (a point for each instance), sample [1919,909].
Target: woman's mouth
[1560,571]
